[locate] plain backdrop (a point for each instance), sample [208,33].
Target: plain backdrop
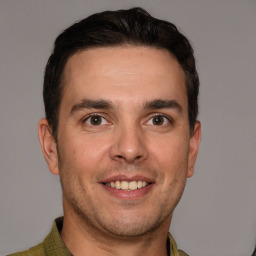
[217,213]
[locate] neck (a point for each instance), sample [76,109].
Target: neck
[83,239]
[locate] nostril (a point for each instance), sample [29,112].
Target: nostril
[128,151]
[128,158]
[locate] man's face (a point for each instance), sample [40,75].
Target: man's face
[124,145]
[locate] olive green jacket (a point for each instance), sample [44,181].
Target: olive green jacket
[54,246]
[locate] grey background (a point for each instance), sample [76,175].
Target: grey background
[217,214]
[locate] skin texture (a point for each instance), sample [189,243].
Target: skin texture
[132,138]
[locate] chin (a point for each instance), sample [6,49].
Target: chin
[131,227]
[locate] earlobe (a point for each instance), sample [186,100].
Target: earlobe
[193,149]
[190,172]
[48,145]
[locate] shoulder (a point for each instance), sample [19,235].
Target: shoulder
[37,250]
[174,250]
[181,253]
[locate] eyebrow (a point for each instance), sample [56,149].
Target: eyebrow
[105,104]
[88,104]
[161,104]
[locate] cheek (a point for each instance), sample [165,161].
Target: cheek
[92,150]
[84,152]
[74,170]
[171,153]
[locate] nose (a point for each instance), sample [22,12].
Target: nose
[129,145]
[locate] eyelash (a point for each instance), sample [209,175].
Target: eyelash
[93,115]
[169,119]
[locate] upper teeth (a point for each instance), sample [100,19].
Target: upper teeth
[132,185]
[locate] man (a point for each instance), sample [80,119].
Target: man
[120,94]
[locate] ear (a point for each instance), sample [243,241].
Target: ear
[48,145]
[193,148]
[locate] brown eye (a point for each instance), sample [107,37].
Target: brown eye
[96,120]
[158,120]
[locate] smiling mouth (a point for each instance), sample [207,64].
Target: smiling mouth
[127,185]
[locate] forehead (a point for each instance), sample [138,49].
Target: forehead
[120,72]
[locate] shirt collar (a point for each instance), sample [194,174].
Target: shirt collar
[54,245]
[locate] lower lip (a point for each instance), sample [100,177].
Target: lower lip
[128,194]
